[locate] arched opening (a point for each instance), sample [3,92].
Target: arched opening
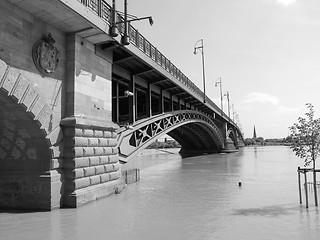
[196,133]
[25,154]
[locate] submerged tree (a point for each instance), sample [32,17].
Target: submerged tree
[306,141]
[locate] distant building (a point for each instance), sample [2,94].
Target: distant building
[254,132]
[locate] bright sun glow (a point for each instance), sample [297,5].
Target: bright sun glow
[286,2]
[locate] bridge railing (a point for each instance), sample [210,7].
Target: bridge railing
[103,10]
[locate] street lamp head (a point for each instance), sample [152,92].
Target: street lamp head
[128,93]
[151,21]
[195,51]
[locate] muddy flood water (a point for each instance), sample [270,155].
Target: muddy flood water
[195,198]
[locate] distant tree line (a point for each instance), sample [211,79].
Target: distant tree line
[268,142]
[166,144]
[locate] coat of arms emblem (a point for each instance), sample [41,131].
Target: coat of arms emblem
[45,55]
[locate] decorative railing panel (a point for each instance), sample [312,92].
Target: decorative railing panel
[141,133]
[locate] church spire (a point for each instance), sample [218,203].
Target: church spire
[254,132]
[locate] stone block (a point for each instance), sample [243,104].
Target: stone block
[93,142]
[108,168]
[114,134]
[88,151]
[87,132]
[102,142]
[29,97]
[79,173]
[38,107]
[107,134]
[55,151]
[55,163]
[115,150]
[103,160]
[107,151]
[9,80]
[3,67]
[94,161]
[104,177]
[94,180]
[78,132]
[99,169]
[98,133]
[20,88]
[81,162]
[115,175]
[44,116]
[113,158]
[81,183]
[81,141]
[89,171]
[98,151]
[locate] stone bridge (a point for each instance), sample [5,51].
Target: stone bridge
[76,102]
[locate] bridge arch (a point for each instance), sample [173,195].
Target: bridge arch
[231,134]
[25,146]
[195,131]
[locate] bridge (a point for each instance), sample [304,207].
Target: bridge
[82,92]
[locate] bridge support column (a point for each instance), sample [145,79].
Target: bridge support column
[90,156]
[91,161]
[228,143]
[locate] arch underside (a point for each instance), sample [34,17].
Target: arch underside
[196,138]
[194,131]
[23,145]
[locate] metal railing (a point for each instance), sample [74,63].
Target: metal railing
[103,10]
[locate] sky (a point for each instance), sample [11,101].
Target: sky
[266,52]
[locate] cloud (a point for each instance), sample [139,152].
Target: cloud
[258,97]
[286,2]
[269,102]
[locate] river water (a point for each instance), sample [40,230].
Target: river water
[192,198]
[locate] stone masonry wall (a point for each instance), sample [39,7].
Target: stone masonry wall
[91,162]
[30,114]
[88,85]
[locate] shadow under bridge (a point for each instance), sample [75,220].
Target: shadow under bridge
[193,130]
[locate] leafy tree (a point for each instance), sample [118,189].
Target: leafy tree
[248,141]
[261,141]
[305,136]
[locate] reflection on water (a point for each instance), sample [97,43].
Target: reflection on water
[191,198]
[272,211]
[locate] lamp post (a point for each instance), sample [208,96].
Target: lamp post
[228,98]
[125,39]
[203,73]
[232,112]
[219,82]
